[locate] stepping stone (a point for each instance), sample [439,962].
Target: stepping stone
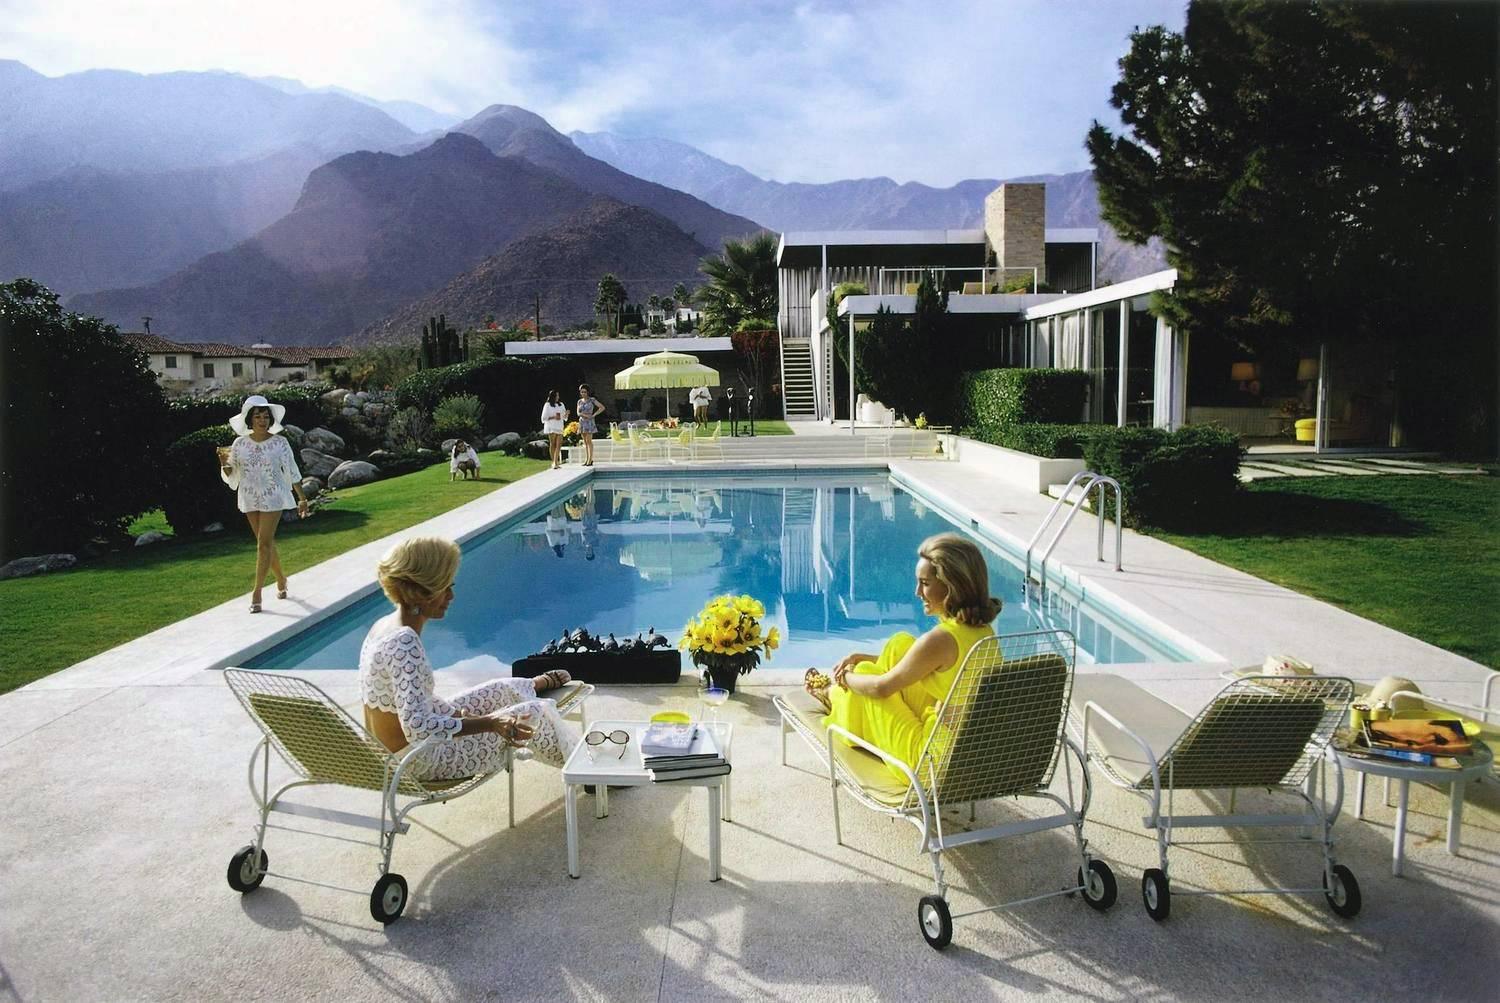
[1291,471]
[1352,467]
[1415,467]
[1249,472]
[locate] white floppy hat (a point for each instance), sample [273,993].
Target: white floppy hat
[242,427]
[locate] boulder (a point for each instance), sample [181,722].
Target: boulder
[509,442]
[294,434]
[214,527]
[336,395]
[352,472]
[349,412]
[325,441]
[149,537]
[448,446]
[379,456]
[424,451]
[538,449]
[318,464]
[41,564]
[357,398]
[311,487]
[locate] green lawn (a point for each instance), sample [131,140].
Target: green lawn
[1420,554]
[53,621]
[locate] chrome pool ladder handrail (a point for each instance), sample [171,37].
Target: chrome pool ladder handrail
[1090,480]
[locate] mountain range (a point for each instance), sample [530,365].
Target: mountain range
[234,209]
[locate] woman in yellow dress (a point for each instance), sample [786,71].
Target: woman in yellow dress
[890,700]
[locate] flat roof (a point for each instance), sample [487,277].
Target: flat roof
[802,248]
[1015,303]
[618,346]
[1128,289]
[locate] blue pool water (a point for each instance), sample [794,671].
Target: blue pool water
[830,556]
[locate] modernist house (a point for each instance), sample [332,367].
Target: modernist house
[189,367]
[1143,370]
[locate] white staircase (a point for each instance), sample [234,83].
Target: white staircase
[797,379]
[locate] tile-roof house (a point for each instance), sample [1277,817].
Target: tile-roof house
[184,366]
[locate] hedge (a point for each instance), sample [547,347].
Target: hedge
[1051,441]
[993,399]
[193,493]
[1182,480]
[303,403]
[511,389]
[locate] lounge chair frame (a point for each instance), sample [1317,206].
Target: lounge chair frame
[323,744]
[1239,741]
[1019,684]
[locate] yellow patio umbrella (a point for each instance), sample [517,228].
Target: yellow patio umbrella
[665,370]
[660,560]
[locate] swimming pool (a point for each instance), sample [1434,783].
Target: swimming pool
[830,555]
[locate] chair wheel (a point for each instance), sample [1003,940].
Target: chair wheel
[1156,893]
[388,898]
[935,920]
[244,875]
[1343,898]
[1099,887]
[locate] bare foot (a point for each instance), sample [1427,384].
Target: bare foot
[552,679]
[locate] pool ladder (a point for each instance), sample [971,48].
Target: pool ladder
[1091,482]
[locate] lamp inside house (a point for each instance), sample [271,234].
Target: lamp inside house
[1242,373]
[1307,369]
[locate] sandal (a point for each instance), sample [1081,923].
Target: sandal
[281,593]
[556,679]
[816,684]
[255,607]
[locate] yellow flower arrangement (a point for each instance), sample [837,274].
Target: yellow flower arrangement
[727,635]
[570,434]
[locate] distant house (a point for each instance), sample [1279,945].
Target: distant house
[192,367]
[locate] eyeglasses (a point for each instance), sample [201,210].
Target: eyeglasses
[597,739]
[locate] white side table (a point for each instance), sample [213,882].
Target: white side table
[627,771]
[1406,774]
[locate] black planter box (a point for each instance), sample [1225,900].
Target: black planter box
[606,668]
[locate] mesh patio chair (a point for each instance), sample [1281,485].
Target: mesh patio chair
[708,442]
[1266,732]
[323,744]
[643,445]
[999,735]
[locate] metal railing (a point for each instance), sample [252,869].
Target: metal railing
[1091,481]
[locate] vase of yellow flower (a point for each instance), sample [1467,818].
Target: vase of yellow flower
[725,640]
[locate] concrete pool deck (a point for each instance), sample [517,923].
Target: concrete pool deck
[127,797]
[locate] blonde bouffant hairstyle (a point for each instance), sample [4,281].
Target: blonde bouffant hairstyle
[959,564]
[418,570]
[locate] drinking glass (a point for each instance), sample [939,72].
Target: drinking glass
[527,716]
[713,698]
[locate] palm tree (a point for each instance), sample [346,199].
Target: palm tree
[741,284]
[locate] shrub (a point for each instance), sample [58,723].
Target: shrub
[303,403]
[404,463]
[410,429]
[81,411]
[511,389]
[994,399]
[632,330]
[1180,480]
[458,417]
[193,494]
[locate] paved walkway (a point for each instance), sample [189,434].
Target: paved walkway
[1257,467]
[126,795]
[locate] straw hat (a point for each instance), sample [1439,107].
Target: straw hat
[242,427]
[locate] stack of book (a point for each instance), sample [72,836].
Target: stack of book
[680,752]
[1440,743]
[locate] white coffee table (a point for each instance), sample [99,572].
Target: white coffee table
[627,771]
[1407,773]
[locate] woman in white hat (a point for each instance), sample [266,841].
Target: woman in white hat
[261,468]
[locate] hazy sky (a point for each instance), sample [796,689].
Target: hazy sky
[806,91]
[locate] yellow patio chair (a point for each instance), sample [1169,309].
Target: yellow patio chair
[999,735]
[323,744]
[973,288]
[618,440]
[702,443]
[686,440]
[1260,732]
[642,445]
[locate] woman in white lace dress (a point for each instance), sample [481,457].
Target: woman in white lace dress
[396,679]
[263,472]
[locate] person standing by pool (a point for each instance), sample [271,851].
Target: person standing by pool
[554,417]
[589,408]
[701,400]
[890,700]
[261,469]
[397,686]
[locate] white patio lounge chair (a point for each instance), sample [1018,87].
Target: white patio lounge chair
[1266,732]
[323,744]
[999,735]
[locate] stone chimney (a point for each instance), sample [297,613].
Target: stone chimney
[1015,228]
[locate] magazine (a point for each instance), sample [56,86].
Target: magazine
[669,738]
[1433,738]
[717,769]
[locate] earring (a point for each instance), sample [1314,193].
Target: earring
[414,610]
